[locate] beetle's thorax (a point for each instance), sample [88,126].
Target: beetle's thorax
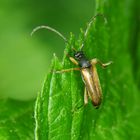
[82,60]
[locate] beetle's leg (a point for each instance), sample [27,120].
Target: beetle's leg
[76,108]
[85,96]
[97,61]
[71,69]
[71,59]
[66,70]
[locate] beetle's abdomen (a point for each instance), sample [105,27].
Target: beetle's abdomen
[92,84]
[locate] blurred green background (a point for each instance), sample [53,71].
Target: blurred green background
[25,60]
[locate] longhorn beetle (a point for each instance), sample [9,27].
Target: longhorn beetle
[86,67]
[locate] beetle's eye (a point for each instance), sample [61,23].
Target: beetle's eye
[78,55]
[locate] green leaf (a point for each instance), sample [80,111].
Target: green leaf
[16,120]
[60,112]
[135,42]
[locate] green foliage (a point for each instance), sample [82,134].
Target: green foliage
[60,113]
[16,120]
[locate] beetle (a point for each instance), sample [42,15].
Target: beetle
[86,67]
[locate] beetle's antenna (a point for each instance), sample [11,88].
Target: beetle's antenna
[49,28]
[73,49]
[89,25]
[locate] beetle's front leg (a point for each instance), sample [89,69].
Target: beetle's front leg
[72,59]
[97,61]
[66,70]
[71,69]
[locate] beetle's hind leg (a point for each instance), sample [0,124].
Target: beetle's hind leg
[85,100]
[97,61]
[85,96]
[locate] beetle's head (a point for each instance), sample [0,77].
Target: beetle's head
[82,60]
[79,55]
